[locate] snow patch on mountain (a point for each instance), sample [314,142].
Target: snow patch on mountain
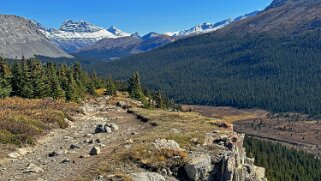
[209,27]
[73,36]
[117,32]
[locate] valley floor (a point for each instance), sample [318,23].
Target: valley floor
[291,129]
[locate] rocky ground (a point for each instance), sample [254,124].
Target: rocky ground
[108,141]
[65,153]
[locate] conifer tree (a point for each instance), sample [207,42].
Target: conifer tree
[91,88]
[79,78]
[72,87]
[17,80]
[56,91]
[97,81]
[27,89]
[39,80]
[5,76]
[159,100]
[110,87]
[135,88]
[62,75]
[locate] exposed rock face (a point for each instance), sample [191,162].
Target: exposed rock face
[19,36]
[199,168]
[234,165]
[147,176]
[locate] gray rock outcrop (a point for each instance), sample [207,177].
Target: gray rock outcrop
[199,168]
[147,176]
[19,36]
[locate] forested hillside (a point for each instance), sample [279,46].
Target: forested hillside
[29,78]
[282,163]
[270,61]
[279,73]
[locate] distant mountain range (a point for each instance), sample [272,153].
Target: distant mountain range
[113,48]
[209,27]
[85,40]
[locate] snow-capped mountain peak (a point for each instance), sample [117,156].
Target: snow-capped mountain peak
[151,35]
[75,35]
[81,26]
[209,27]
[117,31]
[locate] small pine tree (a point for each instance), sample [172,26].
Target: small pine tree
[5,76]
[91,88]
[62,75]
[72,88]
[39,80]
[97,81]
[79,78]
[56,91]
[135,88]
[110,87]
[27,89]
[159,100]
[17,80]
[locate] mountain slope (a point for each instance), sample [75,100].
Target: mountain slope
[282,17]
[73,36]
[209,27]
[266,61]
[124,46]
[120,47]
[19,36]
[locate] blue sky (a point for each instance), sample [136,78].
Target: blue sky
[141,16]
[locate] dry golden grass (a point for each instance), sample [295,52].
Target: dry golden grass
[227,114]
[21,120]
[177,126]
[100,92]
[122,97]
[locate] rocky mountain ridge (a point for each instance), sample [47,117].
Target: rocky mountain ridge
[281,17]
[111,48]
[21,37]
[210,27]
[73,36]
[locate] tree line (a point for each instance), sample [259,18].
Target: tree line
[283,163]
[29,78]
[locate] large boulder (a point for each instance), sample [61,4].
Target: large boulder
[166,144]
[147,176]
[199,168]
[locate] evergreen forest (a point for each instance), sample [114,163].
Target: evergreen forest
[274,72]
[283,163]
